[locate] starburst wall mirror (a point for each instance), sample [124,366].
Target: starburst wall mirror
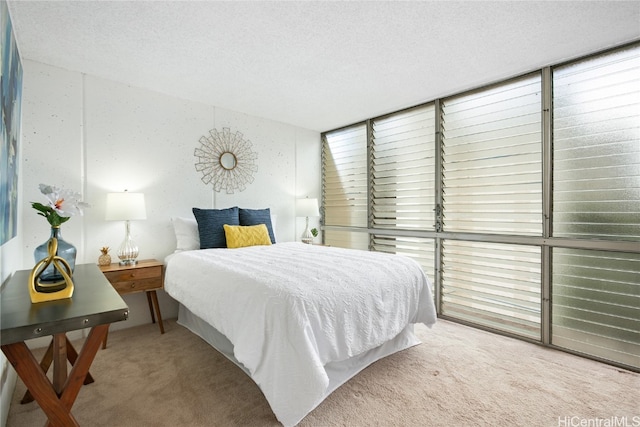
[226,160]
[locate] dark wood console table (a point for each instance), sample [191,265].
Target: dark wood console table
[95,304]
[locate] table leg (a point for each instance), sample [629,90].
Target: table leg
[59,362]
[26,365]
[72,356]
[58,410]
[80,369]
[46,361]
[153,296]
[104,343]
[153,318]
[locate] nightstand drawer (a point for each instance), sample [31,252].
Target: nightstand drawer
[138,285]
[135,278]
[134,274]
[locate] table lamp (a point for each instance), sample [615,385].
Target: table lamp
[126,207]
[307,207]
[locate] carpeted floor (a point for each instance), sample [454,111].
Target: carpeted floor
[458,376]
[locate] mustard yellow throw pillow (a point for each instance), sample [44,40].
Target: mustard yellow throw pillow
[240,236]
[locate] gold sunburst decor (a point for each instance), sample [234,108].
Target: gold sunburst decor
[226,160]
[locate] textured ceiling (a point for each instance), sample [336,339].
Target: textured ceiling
[317,65]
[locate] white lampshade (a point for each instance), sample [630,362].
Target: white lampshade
[307,207]
[125,206]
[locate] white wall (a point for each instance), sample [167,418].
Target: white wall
[97,136]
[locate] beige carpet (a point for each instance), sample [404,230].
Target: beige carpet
[459,376]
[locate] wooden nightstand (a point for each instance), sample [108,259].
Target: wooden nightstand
[146,276]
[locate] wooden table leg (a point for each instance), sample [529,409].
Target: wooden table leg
[80,369]
[45,364]
[104,343]
[153,318]
[19,355]
[72,356]
[59,362]
[154,296]
[58,410]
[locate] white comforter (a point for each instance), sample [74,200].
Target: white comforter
[290,308]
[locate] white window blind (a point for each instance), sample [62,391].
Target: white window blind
[491,180]
[596,147]
[403,170]
[492,159]
[495,285]
[596,303]
[347,239]
[420,249]
[596,195]
[344,177]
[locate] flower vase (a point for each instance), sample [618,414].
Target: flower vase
[65,250]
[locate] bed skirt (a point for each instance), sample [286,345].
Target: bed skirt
[338,372]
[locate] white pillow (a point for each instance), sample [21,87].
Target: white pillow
[187,236]
[273,226]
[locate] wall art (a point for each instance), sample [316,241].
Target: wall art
[226,160]
[10,127]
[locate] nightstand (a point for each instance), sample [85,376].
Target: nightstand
[145,276]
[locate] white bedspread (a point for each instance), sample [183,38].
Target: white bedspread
[290,308]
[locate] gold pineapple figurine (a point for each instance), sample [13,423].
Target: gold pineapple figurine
[105,258]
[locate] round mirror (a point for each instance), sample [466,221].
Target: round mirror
[228,160]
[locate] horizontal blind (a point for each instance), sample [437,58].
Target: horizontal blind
[596,148]
[596,304]
[491,284]
[403,170]
[344,177]
[347,239]
[492,159]
[420,249]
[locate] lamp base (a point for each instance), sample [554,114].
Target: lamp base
[307,237]
[128,251]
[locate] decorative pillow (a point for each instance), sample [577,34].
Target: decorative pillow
[258,216]
[210,225]
[239,236]
[186,230]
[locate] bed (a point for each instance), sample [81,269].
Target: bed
[300,319]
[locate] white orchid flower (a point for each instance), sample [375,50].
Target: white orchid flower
[64,202]
[61,204]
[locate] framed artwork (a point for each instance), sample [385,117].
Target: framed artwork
[10,127]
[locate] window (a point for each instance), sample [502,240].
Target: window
[403,170]
[520,200]
[403,182]
[344,186]
[596,303]
[492,159]
[596,147]
[596,195]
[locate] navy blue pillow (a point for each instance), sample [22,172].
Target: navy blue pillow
[210,225]
[258,216]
